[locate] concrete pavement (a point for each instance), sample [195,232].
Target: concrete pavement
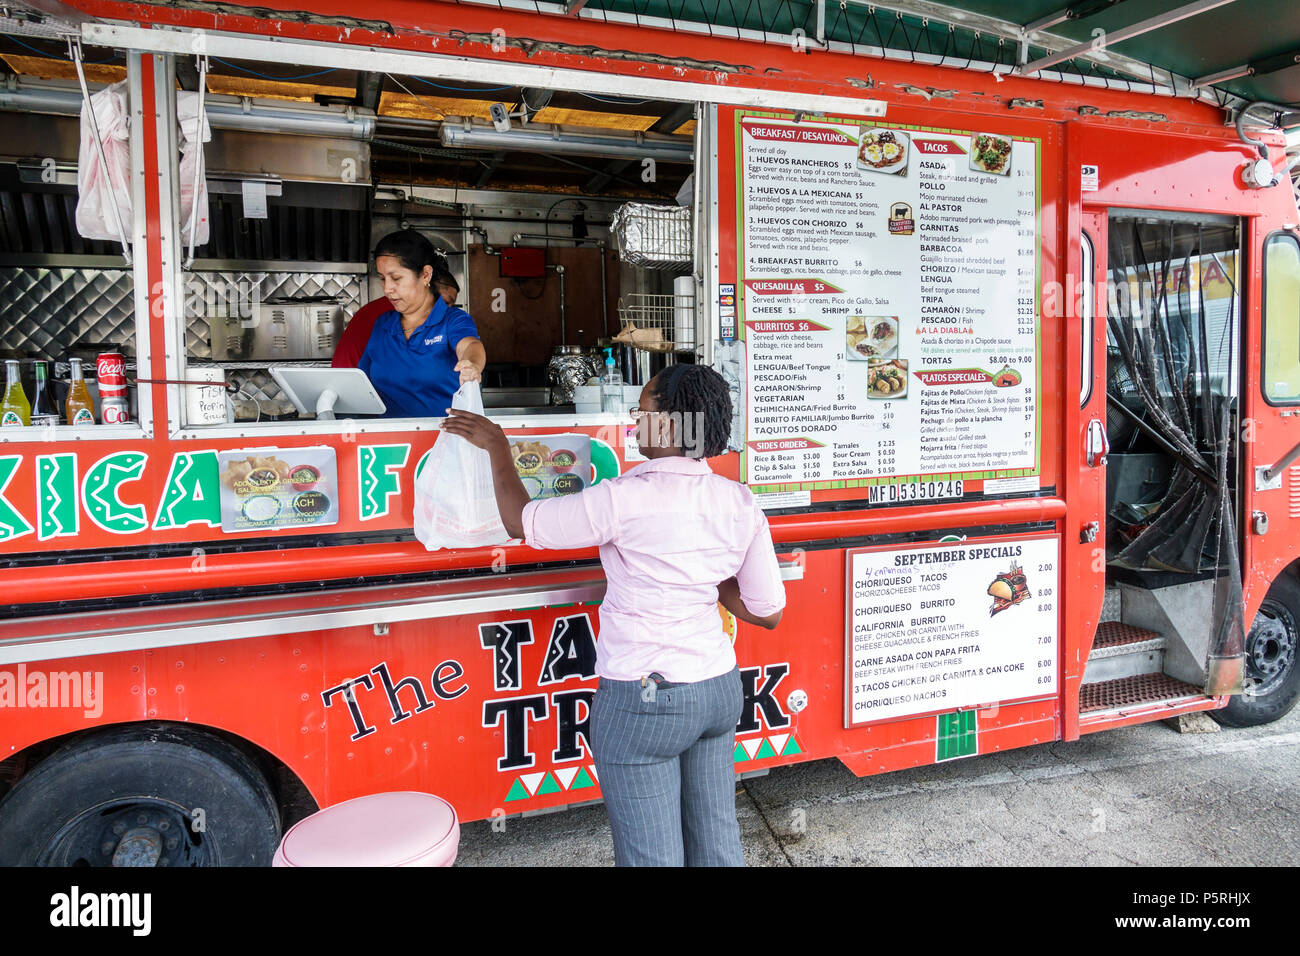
[1140,796]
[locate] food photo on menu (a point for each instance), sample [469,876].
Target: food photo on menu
[990,153]
[887,378]
[871,337]
[883,150]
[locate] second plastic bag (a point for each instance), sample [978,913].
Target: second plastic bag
[455,506]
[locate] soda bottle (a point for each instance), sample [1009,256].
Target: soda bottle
[44,411]
[14,410]
[80,406]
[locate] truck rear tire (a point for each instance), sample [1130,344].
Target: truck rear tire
[141,795]
[1272,674]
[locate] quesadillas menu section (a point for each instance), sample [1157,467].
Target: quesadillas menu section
[889,303]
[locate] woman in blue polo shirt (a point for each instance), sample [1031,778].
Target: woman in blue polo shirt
[423,349]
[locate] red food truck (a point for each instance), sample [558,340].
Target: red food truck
[1011,318]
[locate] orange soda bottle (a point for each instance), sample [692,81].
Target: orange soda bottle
[80,406]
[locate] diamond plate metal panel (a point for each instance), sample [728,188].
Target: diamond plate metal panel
[219,294]
[46,311]
[1132,691]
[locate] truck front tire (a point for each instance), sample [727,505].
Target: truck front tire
[141,795]
[1272,674]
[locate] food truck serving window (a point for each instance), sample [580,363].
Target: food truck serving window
[1281,372]
[71,294]
[284,301]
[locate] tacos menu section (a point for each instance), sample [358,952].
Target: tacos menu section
[889,302]
[940,627]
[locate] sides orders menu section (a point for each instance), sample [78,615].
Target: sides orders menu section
[889,281]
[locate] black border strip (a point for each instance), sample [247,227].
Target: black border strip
[14,611]
[186,549]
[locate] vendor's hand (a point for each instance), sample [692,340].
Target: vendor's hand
[469,372]
[475,429]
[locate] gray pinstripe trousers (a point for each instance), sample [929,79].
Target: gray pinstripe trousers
[664,756]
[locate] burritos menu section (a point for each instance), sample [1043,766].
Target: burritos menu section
[940,627]
[889,302]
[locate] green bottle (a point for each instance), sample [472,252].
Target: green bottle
[15,410]
[44,411]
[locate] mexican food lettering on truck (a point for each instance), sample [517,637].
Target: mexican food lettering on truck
[940,627]
[103,499]
[86,497]
[889,280]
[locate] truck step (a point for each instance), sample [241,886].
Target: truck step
[1134,691]
[1122,650]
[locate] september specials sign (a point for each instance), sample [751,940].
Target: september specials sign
[889,303]
[940,627]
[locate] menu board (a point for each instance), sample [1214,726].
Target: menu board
[889,303]
[267,488]
[940,627]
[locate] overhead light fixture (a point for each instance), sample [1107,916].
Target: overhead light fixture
[223,112]
[556,140]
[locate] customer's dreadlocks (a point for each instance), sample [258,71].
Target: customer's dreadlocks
[701,393]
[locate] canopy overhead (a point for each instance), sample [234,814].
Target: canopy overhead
[1240,48]
[1228,51]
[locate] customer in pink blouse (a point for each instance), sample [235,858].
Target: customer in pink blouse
[675,540]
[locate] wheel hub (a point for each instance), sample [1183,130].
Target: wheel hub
[1270,647]
[147,832]
[142,846]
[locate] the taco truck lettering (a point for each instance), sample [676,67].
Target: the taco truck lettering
[368,699]
[516,716]
[75,493]
[444,684]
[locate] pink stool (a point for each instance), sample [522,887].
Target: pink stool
[383,829]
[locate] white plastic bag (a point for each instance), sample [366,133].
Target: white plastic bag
[455,506]
[191,140]
[99,188]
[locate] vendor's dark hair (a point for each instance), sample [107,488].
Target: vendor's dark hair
[697,393]
[412,250]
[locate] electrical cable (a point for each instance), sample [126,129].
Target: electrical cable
[452,89]
[614,100]
[266,76]
[50,56]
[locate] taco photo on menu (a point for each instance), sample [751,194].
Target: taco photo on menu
[990,153]
[1007,589]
